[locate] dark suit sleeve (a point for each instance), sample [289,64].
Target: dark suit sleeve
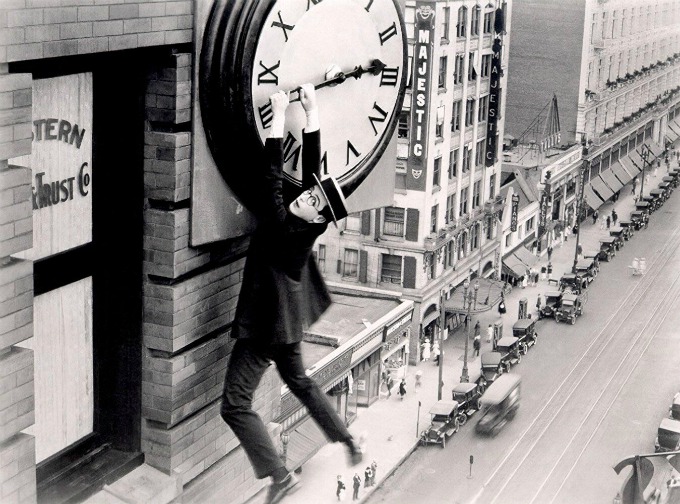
[311,158]
[272,208]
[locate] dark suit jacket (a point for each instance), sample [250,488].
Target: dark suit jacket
[282,290]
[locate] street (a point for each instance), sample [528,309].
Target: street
[592,393]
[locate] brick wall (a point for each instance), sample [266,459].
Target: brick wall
[17,405]
[35,29]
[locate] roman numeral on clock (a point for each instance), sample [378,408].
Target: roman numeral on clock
[388,34]
[266,114]
[388,77]
[268,76]
[381,118]
[290,152]
[368,7]
[285,27]
[315,2]
[354,151]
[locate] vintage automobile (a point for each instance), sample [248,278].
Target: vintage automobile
[492,368]
[525,331]
[674,173]
[509,348]
[640,219]
[618,234]
[588,269]
[654,203]
[551,302]
[659,194]
[607,249]
[467,395]
[626,224]
[573,282]
[571,307]
[667,436]
[667,189]
[643,206]
[674,408]
[444,422]
[671,184]
[593,256]
[499,404]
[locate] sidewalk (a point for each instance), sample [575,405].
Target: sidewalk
[392,424]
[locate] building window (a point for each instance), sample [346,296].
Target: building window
[321,258]
[453,164]
[474,21]
[353,223]
[472,73]
[479,159]
[393,224]
[436,172]
[455,116]
[486,65]
[492,186]
[462,22]
[488,22]
[463,201]
[351,264]
[391,269]
[489,227]
[474,237]
[462,246]
[458,69]
[476,194]
[483,109]
[470,112]
[433,218]
[466,158]
[447,20]
[450,208]
[402,129]
[529,225]
[439,127]
[450,251]
[508,239]
[442,72]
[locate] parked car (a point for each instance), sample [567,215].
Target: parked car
[639,219]
[587,269]
[573,282]
[607,249]
[467,396]
[492,368]
[674,409]
[571,307]
[667,436]
[551,302]
[630,226]
[618,233]
[508,347]
[525,331]
[499,404]
[444,422]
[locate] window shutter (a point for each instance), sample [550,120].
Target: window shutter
[409,272]
[363,265]
[366,222]
[412,215]
[339,267]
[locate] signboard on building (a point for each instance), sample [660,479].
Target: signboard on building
[494,104]
[420,96]
[513,213]
[61,162]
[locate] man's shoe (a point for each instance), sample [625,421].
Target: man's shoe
[356,453]
[278,491]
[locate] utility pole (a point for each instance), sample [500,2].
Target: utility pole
[442,328]
[585,164]
[644,155]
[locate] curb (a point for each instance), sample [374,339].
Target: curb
[389,473]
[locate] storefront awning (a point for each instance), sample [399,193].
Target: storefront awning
[655,149]
[591,199]
[611,180]
[601,188]
[630,167]
[488,295]
[304,441]
[513,266]
[621,173]
[636,159]
[430,317]
[525,257]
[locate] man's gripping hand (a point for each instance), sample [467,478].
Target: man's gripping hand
[309,103]
[279,101]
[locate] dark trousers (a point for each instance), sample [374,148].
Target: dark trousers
[248,362]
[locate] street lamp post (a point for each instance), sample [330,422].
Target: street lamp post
[470,298]
[585,164]
[442,323]
[645,156]
[285,438]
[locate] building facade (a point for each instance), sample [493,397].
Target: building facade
[443,225]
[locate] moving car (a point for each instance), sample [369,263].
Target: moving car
[525,331]
[551,302]
[571,307]
[467,395]
[667,436]
[674,409]
[444,422]
[499,404]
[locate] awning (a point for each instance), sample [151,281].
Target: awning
[611,180]
[513,266]
[636,159]
[430,317]
[629,166]
[304,442]
[655,149]
[601,188]
[621,173]
[488,295]
[525,257]
[591,199]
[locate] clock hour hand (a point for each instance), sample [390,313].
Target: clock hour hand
[374,68]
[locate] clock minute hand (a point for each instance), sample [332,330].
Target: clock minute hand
[375,68]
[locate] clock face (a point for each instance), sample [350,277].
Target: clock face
[253,48]
[298,41]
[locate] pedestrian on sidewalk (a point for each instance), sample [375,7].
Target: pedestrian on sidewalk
[389,383]
[634,186]
[656,167]
[478,328]
[603,223]
[402,388]
[538,303]
[579,251]
[595,215]
[550,268]
[609,221]
[524,281]
[615,216]
[356,486]
[426,349]
[489,333]
[374,472]
[476,344]
[367,477]
[550,251]
[340,489]
[436,352]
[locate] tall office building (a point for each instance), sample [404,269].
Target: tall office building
[441,229]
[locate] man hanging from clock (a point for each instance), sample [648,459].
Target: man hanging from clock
[283,292]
